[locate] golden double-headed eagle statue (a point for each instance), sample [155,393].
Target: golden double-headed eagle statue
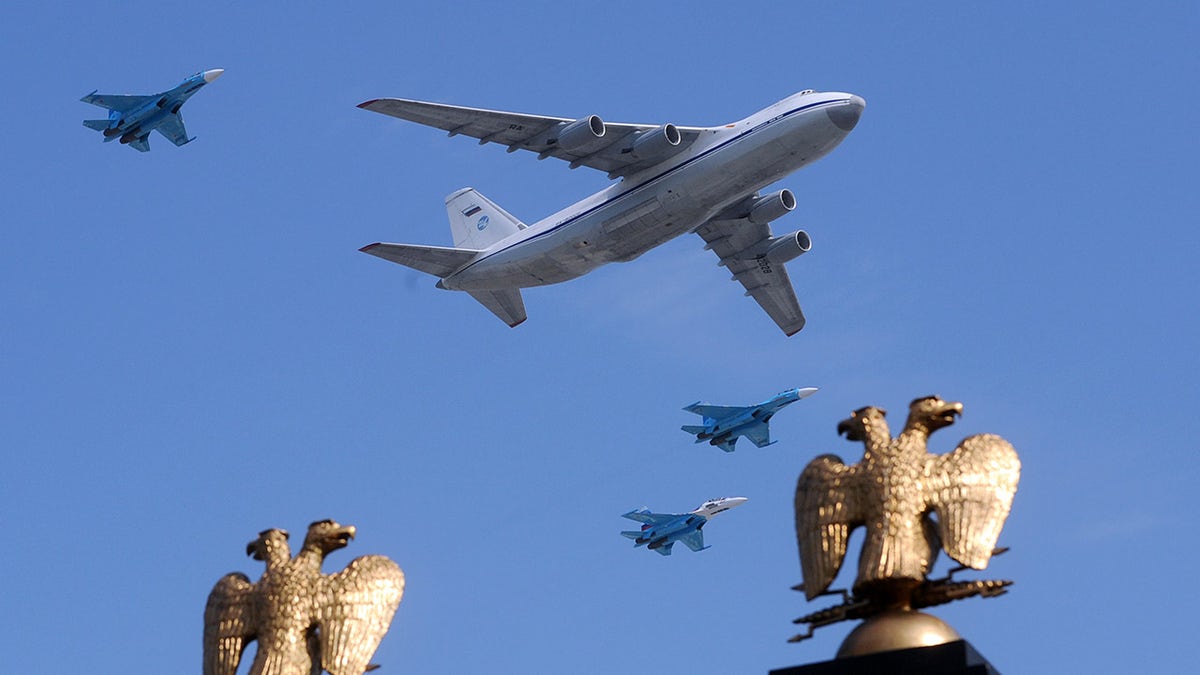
[305,623]
[911,503]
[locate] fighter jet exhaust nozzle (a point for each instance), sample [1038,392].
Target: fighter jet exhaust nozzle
[656,143]
[581,132]
[129,136]
[788,247]
[770,207]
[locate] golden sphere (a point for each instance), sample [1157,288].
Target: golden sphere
[897,629]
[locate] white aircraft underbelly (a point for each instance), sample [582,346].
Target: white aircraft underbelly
[655,211]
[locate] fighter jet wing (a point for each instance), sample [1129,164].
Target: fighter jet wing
[121,104]
[644,516]
[714,411]
[536,133]
[766,282]
[694,540]
[759,434]
[172,127]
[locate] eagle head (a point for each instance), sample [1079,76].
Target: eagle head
[932,413]
[863,423]
[328,535]
[268,542]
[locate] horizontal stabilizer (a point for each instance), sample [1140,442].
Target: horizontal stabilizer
[505,303]
[98,125]
[665,549]
[694,429]
[439,261]
[632,534]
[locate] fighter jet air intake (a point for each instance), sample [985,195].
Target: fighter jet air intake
[674,180]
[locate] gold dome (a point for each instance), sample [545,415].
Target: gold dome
[897,629]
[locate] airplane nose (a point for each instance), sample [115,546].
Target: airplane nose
[845,116]
[210,75]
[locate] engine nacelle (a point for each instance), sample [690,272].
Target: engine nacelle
[581,132]
[770,207]
[656,143]
[788,247]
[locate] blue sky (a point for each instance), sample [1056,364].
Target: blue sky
[193,349]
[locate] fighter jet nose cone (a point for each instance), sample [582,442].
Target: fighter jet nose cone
[210,75]
[845,116]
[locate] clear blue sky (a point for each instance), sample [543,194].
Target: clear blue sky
[193,349]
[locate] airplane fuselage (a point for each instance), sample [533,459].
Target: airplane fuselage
[649,208]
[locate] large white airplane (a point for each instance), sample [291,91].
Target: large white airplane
[673,180]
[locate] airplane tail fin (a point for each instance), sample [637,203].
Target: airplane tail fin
[477,222]
[98,125]
[694,429]
[505,303]
[632,534]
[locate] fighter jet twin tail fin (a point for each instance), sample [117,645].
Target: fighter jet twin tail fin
[476,223]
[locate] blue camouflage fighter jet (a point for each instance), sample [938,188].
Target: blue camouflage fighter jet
[662,530]
[132,118]
[724,423]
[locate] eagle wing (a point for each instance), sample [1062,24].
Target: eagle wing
[228,624]
[827,508]
[972,491]
[355,609]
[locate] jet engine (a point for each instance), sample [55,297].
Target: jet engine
[769,207]
[788,247]
[581,132]
[655,143]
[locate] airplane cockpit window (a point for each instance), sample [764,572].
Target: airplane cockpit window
[806,92]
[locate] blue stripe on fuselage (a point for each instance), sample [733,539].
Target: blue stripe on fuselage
[650,181]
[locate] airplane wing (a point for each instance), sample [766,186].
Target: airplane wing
[644,516]
[694,540]
[172,127]
[759,434]
[536,133]
[714,411]
[121,104]
[767,283]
